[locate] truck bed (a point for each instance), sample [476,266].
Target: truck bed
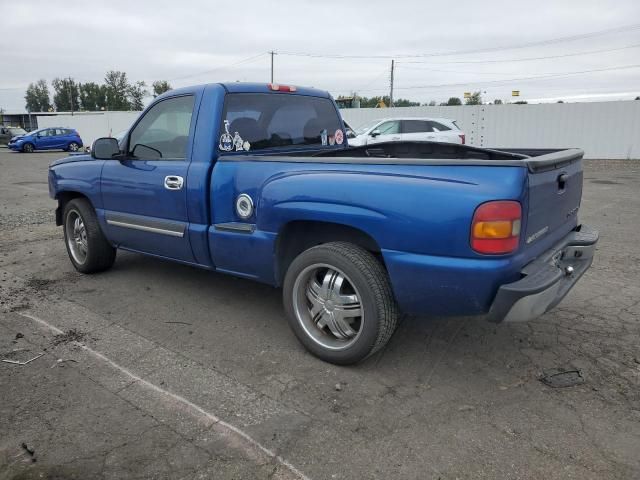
[433,153]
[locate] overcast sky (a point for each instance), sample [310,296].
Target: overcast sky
[198,41]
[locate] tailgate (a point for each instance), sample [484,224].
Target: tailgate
[555,190]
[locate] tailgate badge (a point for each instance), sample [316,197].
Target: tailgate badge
[537,235]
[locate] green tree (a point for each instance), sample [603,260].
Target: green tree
[160,86]
[117,90]
[403,102]
[454,101]
[497,101]
[474,99]
[93,97]
[66,94]
[37,97]
[136,94]
[521,102]
[374,102]
[432,103]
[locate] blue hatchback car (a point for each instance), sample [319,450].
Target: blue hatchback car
[47,139]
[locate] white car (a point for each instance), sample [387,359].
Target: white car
[406,130]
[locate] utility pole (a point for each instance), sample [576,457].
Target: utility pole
[70,96]
[391,92]
[272,53]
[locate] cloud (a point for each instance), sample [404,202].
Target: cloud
[153,40]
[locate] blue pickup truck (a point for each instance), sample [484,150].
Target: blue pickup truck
[257,181]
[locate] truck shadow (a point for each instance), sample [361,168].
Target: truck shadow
[243,322]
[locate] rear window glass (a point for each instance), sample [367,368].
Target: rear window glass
[439,127]
[416,126]
[258,121]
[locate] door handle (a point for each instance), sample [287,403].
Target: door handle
[173,182]
[395,138]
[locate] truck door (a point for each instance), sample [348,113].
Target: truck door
[144,194]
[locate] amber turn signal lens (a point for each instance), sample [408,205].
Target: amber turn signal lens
[495,228]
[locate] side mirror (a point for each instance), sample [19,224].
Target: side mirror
[375,133]
[105,148]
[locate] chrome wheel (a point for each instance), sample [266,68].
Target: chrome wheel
[328,307]
[73,147]
[76,236]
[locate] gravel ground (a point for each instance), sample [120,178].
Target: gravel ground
[157,370]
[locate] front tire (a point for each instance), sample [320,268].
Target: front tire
[88,249]
[339,302]
[27,148]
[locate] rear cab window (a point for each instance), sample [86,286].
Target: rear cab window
[265,121]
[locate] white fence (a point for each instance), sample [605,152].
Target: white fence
[608,130]
[90,125]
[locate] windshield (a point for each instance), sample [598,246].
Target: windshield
[258,121]
[367,126]
[16,131]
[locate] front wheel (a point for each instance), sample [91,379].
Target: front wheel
[27,148]
[88,249]
[339,302]
[73,147]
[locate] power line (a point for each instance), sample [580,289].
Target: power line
[538,77]
[478,50]
[223,67]
[376,78]
[529,58]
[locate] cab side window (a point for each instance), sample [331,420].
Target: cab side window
[163,132]
[388,128]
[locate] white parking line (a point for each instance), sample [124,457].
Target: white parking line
[192,406]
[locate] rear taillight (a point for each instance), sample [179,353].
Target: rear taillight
[495,228]
[462,137]
[282,88]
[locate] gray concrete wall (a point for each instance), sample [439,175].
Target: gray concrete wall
[602,129]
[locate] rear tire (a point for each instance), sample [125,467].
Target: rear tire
[88,249]
[27,148]
[339,302]
[73,147]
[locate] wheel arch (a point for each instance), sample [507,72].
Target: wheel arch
[63,198]
[299,235]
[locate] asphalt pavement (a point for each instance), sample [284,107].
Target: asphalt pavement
[158,370]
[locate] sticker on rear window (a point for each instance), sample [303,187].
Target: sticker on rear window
[226,141]
[339,137]
[237,142]
[323,136]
